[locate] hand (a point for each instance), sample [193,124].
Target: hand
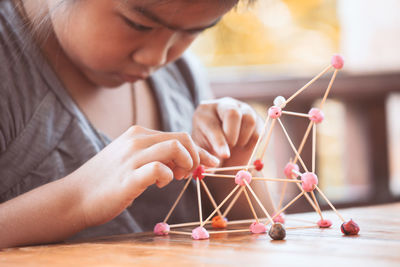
[112,179]
[226,128]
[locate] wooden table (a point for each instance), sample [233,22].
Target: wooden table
[377,245]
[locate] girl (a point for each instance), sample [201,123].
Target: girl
[75,75]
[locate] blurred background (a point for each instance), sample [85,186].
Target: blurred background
[274,47]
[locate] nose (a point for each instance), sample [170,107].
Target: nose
[154,52]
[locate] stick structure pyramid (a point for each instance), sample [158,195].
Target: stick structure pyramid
[304,178]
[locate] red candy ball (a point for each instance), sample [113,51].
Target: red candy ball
[219,222]
[337,61]
[198,172]
[258,165]
[324,223]
[350,228]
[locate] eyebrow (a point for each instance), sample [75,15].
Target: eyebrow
[145,12]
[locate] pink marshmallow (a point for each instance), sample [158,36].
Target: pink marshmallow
[279,218]
[288,171]
[309,181]
[200,233]
[258,228]
[243,175]
[324,223]
[274,112]
[161,229]
[337,61]
[316,115]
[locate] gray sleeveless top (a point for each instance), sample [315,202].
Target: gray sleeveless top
[44,136]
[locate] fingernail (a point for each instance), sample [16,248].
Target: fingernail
[225,152]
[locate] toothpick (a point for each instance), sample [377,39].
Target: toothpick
[295,114]
[288,205]
[210,197]
[317,205]
[328,89]
[292,145]
[302,227]
[314,147]
[303,141]
[282,195]
[220,205]
[257,144]
[180,233]
[330,204]
[228,209]
[251,205]
[275,180]
[233,168]
[229,231]
[258,201]
[199,200]
[218,175]
[177,200]
[307,85]
[268,138]
[179,225]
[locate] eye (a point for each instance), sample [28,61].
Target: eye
[136,26]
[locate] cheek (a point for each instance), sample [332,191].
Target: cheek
[177,50]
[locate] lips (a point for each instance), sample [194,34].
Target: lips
[132,78]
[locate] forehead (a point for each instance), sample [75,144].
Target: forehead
[186,13]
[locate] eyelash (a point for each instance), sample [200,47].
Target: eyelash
[137,26]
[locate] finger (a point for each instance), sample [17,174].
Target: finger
[231,117]
[213,133]
[136,130]
[207,159]
[151,173]
[167,152]
[248,125]
[183,138]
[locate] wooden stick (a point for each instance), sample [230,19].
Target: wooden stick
[316,205]
[251,205]
[228,209]
[303,142]
[258,201]
[314,147]
[233,168]
[220,205]
[275,180]
[288,205]
[229,231]
[199,200]
[282,195]
[306,86]
[177,200]
[180,233]
[210,197]
[218,175]
[295,114]
[328,89]
[292,145]
[330,204]
[184,224]
[269,134]
[257,144]
[302,227]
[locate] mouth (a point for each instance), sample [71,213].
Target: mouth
[132,78]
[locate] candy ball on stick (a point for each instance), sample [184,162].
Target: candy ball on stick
[274,112]
[219,222]
[279,101]
[316,115]
[243,175]
[258,165]
[258,228]
[277,231]
[350,228]
[280,218]
[198,172]
[337,61]
[309,181]
[200,233]
[161,229]
[324,223]
[288,171]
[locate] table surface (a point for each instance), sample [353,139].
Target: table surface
[378,244]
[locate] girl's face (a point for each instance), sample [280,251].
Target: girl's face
[117,41]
